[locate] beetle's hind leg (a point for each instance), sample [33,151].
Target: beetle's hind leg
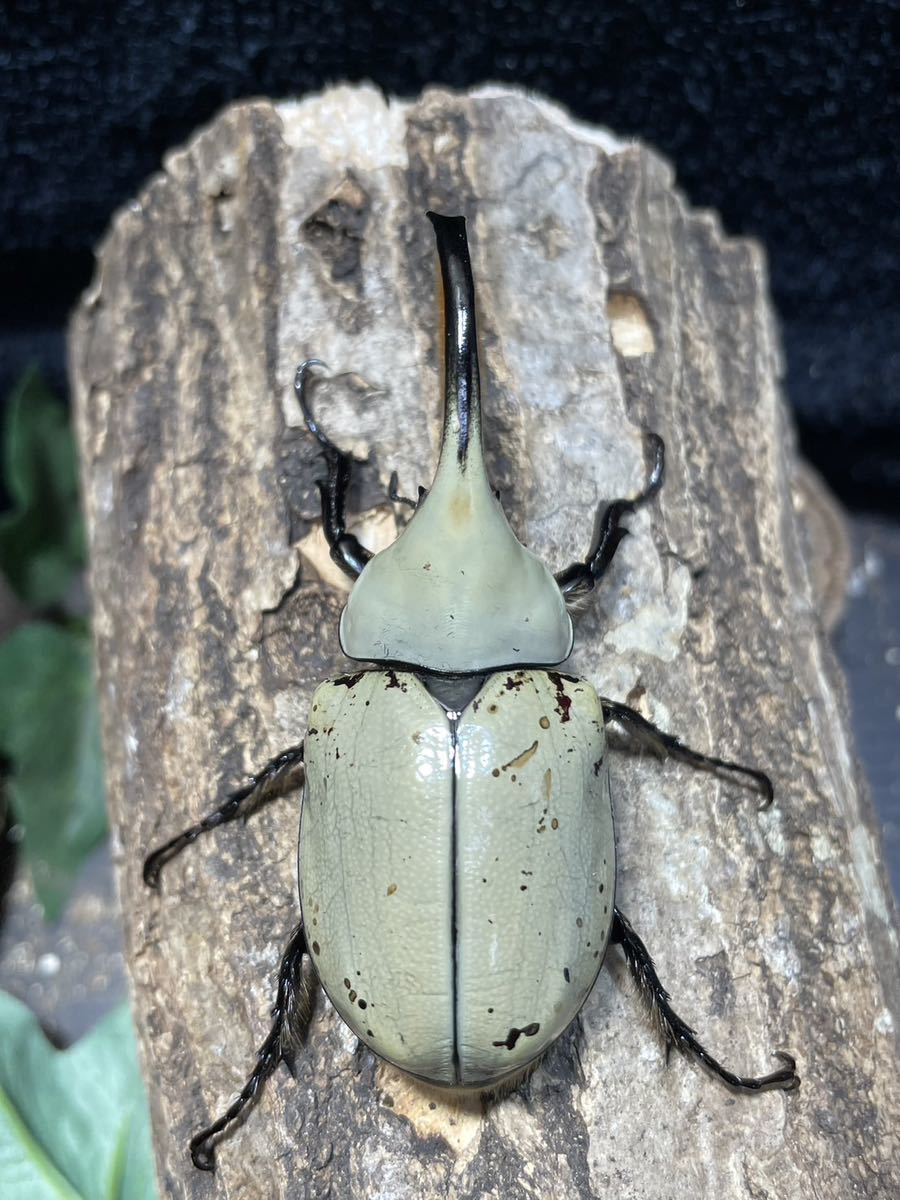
[581,577]
[675,1031]
[290,1019]
[280,775]
[346,549]
[667,743]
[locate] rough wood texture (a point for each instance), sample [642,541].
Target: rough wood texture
[606,304]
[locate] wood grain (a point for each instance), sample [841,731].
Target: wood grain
[605,305]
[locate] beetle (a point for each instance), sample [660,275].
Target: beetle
[457,868]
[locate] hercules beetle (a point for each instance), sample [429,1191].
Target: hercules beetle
[462,934]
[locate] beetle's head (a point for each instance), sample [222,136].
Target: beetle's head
[457,592]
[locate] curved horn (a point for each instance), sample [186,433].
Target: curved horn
[462,398]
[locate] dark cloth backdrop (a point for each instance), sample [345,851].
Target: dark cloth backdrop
[781,115]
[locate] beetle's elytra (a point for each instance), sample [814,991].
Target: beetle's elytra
[457,857]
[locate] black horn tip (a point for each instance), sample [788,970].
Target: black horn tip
[439,220]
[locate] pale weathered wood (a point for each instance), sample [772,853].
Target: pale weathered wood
[606,304]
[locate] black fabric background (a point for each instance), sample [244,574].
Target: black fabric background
[782,116]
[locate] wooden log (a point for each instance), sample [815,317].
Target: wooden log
[606,305]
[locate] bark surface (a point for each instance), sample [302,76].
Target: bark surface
[605,305]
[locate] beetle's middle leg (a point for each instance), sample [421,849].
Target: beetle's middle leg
[667,743]
[675,1031]
[290,1018]
[278,776]
[582,577]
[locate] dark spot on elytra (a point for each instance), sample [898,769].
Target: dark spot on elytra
[352,996]
[347,984]
[566,976]
[315,947]
[554,824]
[349,681]
[492,708]
[514,1034]
[363,1004]
[544,722]
[394,682]
[523,887]
[598,764]
[514,682]
[600,889]
[563,702]
[579,922]
[392,887]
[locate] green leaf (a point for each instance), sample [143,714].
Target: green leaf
[73,1123]
[41,539]
[50,730]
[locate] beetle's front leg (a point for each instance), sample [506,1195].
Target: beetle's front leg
[666,743]
[582,577]
[675,1031]
[290,1019]
[346,549]
[280,775]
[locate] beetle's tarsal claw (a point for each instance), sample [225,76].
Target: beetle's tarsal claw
[151,872]
[203,1160]
[394,493]
[657,448]
[768,791]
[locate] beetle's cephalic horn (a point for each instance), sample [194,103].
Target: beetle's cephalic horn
[457,592]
